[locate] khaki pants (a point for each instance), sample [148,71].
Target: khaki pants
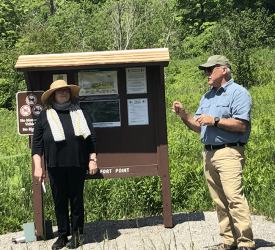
[223,173]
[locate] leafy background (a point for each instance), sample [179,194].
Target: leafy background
[192,30]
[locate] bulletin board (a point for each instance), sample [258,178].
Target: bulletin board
[124,93]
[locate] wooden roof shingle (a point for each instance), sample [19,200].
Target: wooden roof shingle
[26,62]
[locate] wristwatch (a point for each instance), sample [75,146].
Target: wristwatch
[93,159]
[216,119]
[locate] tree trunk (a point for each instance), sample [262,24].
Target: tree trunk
[51,7]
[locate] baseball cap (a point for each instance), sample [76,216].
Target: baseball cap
[216,60]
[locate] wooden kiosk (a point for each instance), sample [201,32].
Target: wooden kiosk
[124,93]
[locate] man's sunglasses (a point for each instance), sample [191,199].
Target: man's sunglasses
[210,69]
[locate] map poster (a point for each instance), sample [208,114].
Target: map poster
[104,113]
[98,82]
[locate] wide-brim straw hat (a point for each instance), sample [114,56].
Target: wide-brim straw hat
[58,84]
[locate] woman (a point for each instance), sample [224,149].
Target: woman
[64,134]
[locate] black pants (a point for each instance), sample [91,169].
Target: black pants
[67,184]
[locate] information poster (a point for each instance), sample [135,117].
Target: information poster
[104,113]
[29,106]
[136,80]
[138,111]
[97,82]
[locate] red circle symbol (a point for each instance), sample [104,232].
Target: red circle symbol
[31,99]
[36,109]
[25,110]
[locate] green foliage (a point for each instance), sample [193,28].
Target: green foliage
[239,36]
[193,30]
[262,65]
[10,17]
[11,81]
[159,26]
[197,14]
[194,46]
[259,173]
[15,178]
[139,24]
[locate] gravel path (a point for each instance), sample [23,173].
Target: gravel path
[191,231]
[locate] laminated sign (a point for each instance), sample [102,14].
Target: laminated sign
[29,106]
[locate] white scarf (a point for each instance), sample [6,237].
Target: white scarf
[79,123]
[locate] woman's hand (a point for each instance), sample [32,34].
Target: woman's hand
[93,167]
[38,171]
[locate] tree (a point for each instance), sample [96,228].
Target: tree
[239,35]
[196,15]
[139,23]
[51,7]
[11,16]
[126,18]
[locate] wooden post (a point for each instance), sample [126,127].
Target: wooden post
[38,206]
[162,146]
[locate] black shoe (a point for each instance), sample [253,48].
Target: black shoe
[60,243]
[74,242]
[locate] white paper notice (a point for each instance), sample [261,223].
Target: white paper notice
[138,111]
[136,80]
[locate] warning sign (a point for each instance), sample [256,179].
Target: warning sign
[25,110]
[31,99]
[29,106]
[36,109]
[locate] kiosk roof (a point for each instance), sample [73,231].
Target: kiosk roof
[50,61]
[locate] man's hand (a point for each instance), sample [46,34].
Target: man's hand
[189,121]
[178,109]
[205,120]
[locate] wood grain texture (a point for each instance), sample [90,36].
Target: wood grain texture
[93,58]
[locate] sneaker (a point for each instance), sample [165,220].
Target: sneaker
[60,243]
[222,246]
[246,248]
[74,242]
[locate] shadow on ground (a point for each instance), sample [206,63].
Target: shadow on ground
[262,243]
[99,231]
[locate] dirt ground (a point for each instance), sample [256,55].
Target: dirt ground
[191,231]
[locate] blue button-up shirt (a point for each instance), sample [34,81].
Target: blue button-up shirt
[230,101]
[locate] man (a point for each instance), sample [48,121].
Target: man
[223,120]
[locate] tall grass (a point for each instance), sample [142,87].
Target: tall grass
[141,196]
[15,175]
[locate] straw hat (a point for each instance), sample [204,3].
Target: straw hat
[58,84]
